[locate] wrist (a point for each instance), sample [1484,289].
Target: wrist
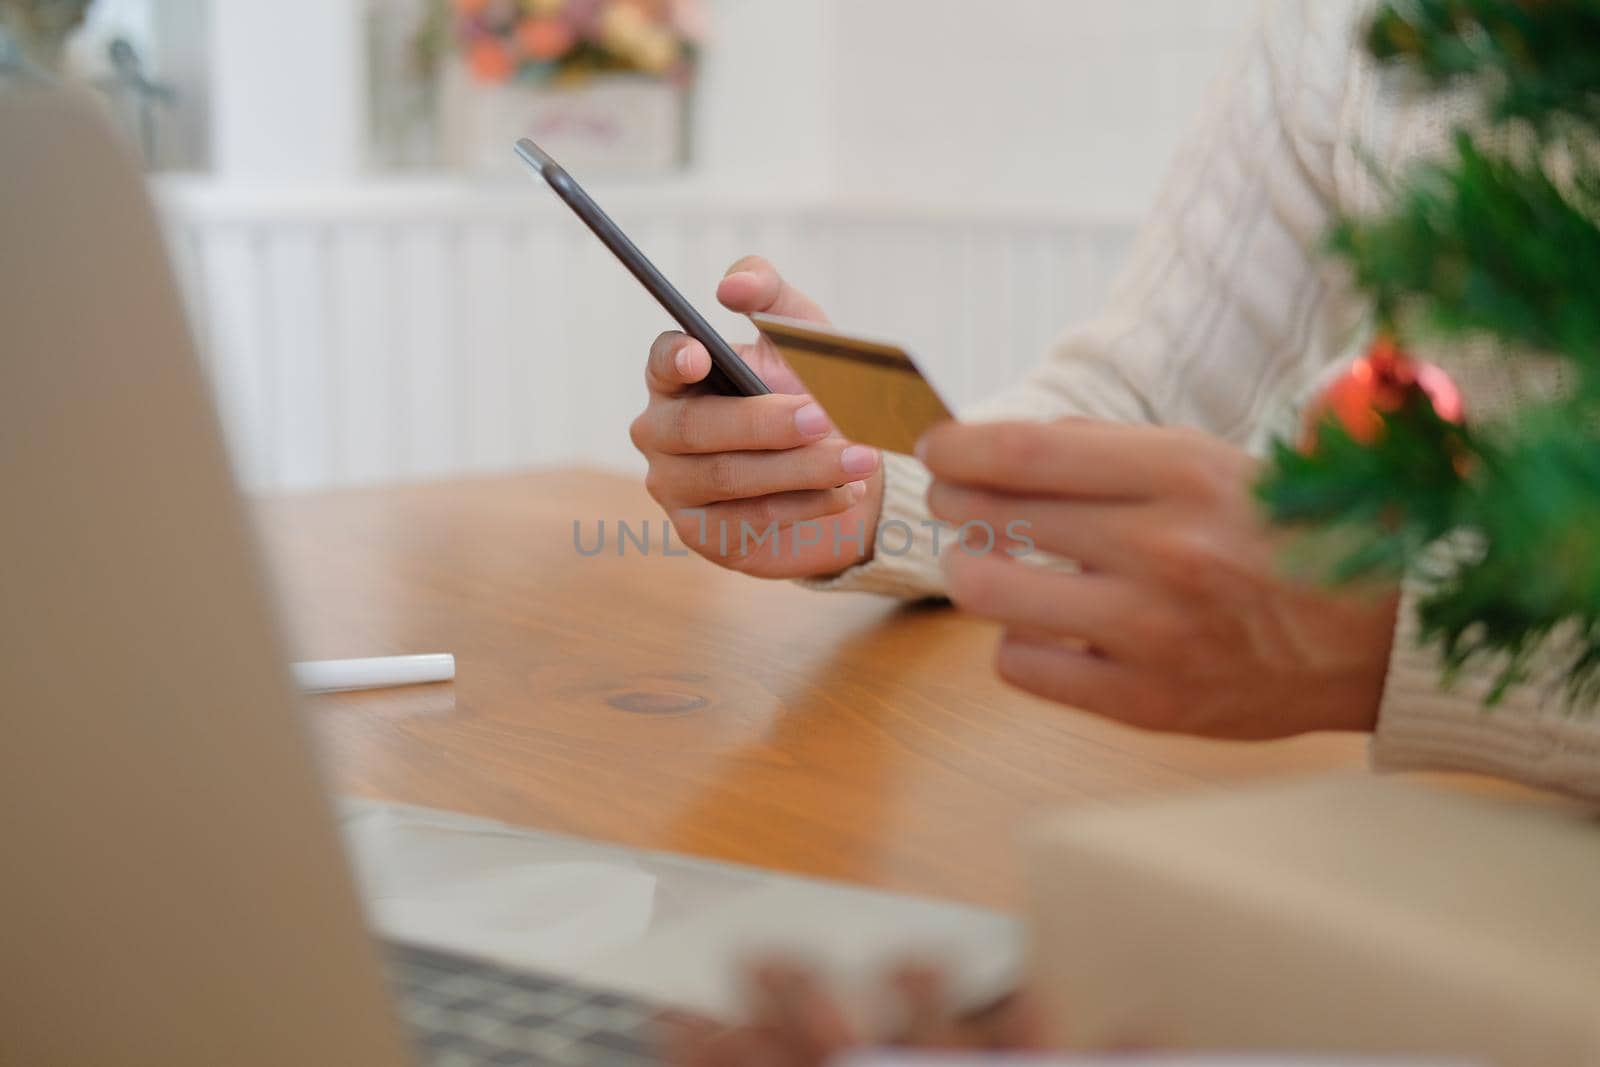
[1362,699]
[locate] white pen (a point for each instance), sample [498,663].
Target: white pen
[376,672]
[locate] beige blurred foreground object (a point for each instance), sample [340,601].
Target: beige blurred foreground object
[1336,915]
[174,890]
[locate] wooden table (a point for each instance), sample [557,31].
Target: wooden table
[662,702]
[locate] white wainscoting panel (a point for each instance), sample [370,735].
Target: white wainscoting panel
[415,330]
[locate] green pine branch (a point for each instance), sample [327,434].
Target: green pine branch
[1484,245]
[1535,513]
[1528,60]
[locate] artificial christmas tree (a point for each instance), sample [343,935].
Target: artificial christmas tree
[1499,240]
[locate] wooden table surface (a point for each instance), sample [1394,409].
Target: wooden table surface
[662,702]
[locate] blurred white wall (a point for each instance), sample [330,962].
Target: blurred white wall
[959,176]
[764,116]
[1062,106]
[1065,105]
[287,89]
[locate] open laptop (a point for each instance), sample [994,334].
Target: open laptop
[175,889]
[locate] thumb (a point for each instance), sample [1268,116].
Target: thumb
[752,284]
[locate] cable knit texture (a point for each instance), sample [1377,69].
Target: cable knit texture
[1227,317]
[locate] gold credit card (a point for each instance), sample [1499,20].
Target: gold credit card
[872,391]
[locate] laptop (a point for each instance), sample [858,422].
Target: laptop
[177,892]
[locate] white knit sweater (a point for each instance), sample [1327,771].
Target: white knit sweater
[1227,317]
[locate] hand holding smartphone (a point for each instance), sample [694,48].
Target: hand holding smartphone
[730,375]
[873,391]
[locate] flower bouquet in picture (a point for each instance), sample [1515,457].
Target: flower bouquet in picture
[601,84]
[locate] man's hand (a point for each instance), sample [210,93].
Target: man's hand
[1183,618]
[758,484]
[796,1021]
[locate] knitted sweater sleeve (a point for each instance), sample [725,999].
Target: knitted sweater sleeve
[1532,735]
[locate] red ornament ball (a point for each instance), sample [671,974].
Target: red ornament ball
[1382,382]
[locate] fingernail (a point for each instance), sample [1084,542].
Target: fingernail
[858,490]
[921,449]
[859,459]
[811,420]
[681,361]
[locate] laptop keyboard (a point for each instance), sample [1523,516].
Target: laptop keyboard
[469,1013]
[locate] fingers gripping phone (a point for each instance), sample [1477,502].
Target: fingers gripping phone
[729,375]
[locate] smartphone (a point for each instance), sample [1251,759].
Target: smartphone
[729,375]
